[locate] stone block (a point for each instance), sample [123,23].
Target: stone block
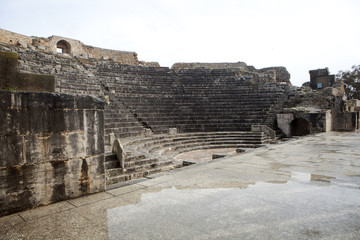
[57,147]
[5,99]
[117,148]
[31,100]
[284,121]
[11,151]
[75,147]
[96,165]
[41,47]
[39,121]
[8,68]
[89,102]
[34,82]
[13,122]
[18,182]
[63,146]
[172,131]
[215,156]
[22,43]
[111,138]
[36,149]
[148,132]
[90,132]
[63,101]
[240,150]
[65,120]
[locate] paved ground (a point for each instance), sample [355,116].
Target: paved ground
[308,188]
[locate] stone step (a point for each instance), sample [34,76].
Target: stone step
[180,136]
[124,129]
[200,139]
[204,142]
[147,167]
[135,175]
[133,158]
[139,162]
[185,148]
[112,164]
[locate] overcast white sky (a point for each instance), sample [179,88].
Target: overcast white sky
[300,35]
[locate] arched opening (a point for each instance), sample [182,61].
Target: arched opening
[63,46]
[300,127]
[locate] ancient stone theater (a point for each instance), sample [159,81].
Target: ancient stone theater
[77,119]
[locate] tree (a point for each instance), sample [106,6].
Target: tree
[351,79]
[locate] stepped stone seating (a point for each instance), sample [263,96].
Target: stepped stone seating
[70,75]
[190,100]
[206,105]
[147,155]
[197,102]
[119,121]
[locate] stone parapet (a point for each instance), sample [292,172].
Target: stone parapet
[52,148]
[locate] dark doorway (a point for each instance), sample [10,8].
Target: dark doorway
[300,127]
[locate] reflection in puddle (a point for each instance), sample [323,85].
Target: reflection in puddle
[321,178]
[306,177]
[301,177]
[262,211]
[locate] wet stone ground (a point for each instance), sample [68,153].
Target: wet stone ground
[306,188]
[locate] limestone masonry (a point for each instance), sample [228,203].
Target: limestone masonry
[77,119]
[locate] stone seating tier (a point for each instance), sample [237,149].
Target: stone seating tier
[146,155]
[192,100]
[71,77]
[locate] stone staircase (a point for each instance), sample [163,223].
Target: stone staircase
[144,156]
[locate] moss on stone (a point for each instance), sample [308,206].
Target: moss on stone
[11,55]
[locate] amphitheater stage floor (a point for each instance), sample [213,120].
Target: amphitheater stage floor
[306,188]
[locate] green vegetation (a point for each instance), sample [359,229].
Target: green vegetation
[351,79]
[8,55]
[9,89]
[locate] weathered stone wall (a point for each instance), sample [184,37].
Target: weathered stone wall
[282,75]
[346,121]
[317,122]
[271,74]
[52,148]
[77,48]
[178,66]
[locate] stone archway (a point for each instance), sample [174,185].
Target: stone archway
[63,46]
[300,127]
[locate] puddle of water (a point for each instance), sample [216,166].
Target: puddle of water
[294,210]
[204,155]
[307,177]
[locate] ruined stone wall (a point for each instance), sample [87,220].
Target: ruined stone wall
[345,121]
[77,48]
[52,148]
[271,74]
[281,74]
[178,66]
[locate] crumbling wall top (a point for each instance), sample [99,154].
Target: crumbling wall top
[194,65]
[270,74]
[67,46]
